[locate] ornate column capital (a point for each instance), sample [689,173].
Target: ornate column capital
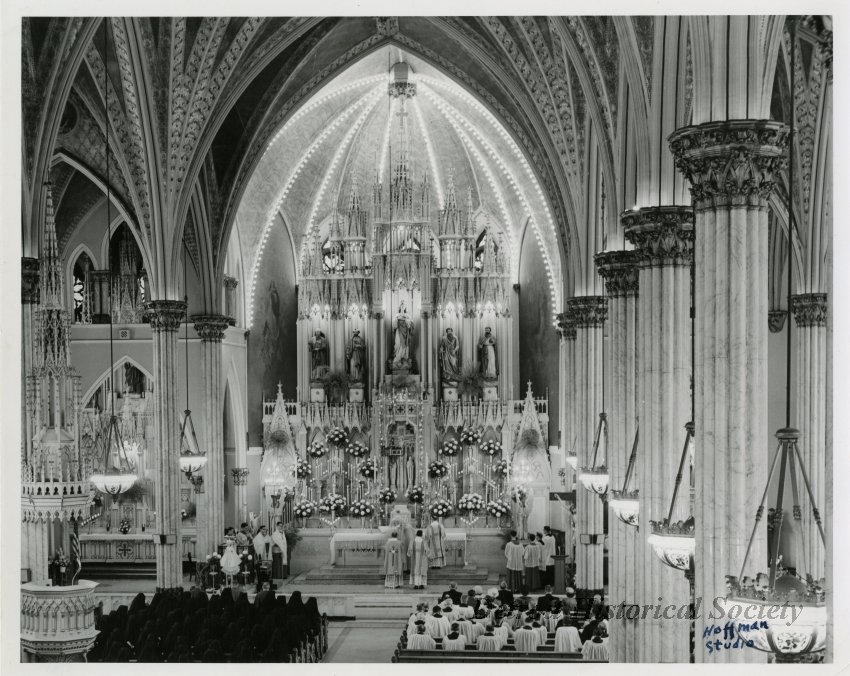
[211,327]
[731,162]
[165,315]
[566,328]
[809,309]
[240,476]
[29,280]
[661,235]
[619,269]
[230,283]
[588,312]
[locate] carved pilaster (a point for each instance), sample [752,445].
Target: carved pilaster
[165,315]
[619,269]
[809,309]
[663,235]
[776,320]
[210,327]
[29,281]
[588,311]
[731,163]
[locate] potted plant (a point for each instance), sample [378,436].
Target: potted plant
[336,386]
[470,385]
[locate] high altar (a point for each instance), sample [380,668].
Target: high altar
[405,365]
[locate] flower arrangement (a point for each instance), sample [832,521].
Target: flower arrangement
[415,495]
[470,502]
[357,449]
[440,508]
[368,469]
[501,468]
[214,560]
[470,436]
[337,436]
[437,469]
[305,509]
[124,527]
[491,447]
[317,449]
[498,508]
[362,509]
[302,469]
[519,493]
[450,447]
[332,503]
[387,496]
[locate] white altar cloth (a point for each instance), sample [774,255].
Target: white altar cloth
[373,541]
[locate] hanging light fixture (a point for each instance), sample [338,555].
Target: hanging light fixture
[625,502]
[798,640]
[114,478]
[595,477]
[191,461]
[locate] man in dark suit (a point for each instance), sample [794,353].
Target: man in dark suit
[452,594]
[264,596]
[506,596]
[544,602]
[236,591]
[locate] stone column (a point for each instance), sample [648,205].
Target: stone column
[29,301]
[230,308]
[240,484]
[211,329]
[588,315]
[731,166]
[568,429]
[810,310]
[619,269]
[165,317]
[664,236]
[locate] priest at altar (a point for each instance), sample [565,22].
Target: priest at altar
[393,563]
[436,539]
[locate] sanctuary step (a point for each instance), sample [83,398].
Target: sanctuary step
[464,576]
[101,570]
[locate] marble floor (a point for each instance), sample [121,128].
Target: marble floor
[363,641]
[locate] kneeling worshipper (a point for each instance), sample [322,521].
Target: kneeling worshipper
[526,638]
[454,640]
[489,640]
[470,630]
[420,640]
[503,630]
[437,625]
[465,611]
[538,625]
[597,647]
[531,559]
[418,553]
[418,614]
[393,563]
[567,640]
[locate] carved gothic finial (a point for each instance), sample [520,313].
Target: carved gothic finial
[619,269]
[211,328]
[732,162]
[661,235]
[809,309]
[588,312]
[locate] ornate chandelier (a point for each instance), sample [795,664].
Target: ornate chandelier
[625,502]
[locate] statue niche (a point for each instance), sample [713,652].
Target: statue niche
[402,361]
[319,359]
[355,359]
[449,358]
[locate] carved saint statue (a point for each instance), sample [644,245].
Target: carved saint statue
[410,473]
[355,355]
[449,360]
[489,363]
[402,334]
[318,355]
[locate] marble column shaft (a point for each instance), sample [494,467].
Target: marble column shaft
[619,269]
[588,315]
[664,237]
[732,167]
[810,311]
[568,430]
[165,318]
[29,301]
[211,329]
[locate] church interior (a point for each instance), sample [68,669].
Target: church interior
[353,307]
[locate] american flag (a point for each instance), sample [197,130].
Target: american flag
[76,561]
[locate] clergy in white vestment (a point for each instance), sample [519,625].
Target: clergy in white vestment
[526,639]
[489,641]
[261,544]
[470,630]
[436,624]
[393,563]
[280,564]
[454,640]
[435,535]
[465,611]
[504,632]
[421,640]
[567,640]
[531,558]
[540,629]
[514,554]
[418,554]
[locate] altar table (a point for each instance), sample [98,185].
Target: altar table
[360,541]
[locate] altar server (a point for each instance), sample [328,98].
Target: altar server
[514,554]
[548,555]
[454,640]
[436,624]
[420,640]
[531,558]
[526,638]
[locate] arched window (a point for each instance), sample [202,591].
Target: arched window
[80,290]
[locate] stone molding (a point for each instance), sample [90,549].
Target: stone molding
[588,312]
[619,269]
[166,315]
[29,280]
[662,235]
[731,163]
[566,328]
[211,328]
[809,309]
[776,320]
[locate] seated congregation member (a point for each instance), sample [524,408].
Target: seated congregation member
[465,610]
[531,560]
[470,630]
[588,629]
[526,638]
[418,614]
[471,600]
[489,640]
[454,640]
[567,640]
[503,630]
[538,625]
[265,596]
[506,596]
[524,601]
[449,611]
[437,625]
[596,608]
[452,594]
[544,602]
[420,640]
